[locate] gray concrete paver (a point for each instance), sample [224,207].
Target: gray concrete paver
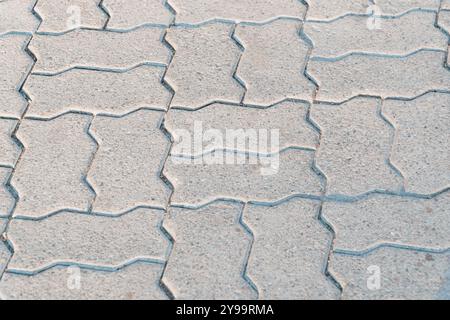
[60,16]
[355,146]
[206,149]
[100,241]
[413,222]
[273,62]
[49,175]
[198,11]
[290,239]
[97,92]
[128,162]
[393,274]
[209,253]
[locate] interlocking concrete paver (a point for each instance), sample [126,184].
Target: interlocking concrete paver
[9,150]
[197,11]
[135,282]
[273,63]
[127,14]
[98,49]
[17,16]
[405,77]
[392,274]
[421,223]
[287,118]
[445,4]
[6,198]
[444,20]
[322,10]
[289,239]
[224,149]
[2,225]
[14,67]
[64,15]
[209,254]
[230,175]
[86,239]
[97,92]
[395,7]
[4,252]
[127,166]
[398,36]
[422,145]
[354,148]
[202,68]
[49,176]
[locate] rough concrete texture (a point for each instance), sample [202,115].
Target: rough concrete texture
[197,11]
[239,149]
[9,150]
[288,118]
[15,65]
[421,148]
[246,177]
[404,274]
[354,149]
[87,240]
[290,239]
[444,19]
[4,252]
[98,49]
[128,14]
[420,223]
[128,162]
[97,92]
[3,222]
[385,76]
[17,16]
[203,65]
[273,71]
[208,257]
[64,15]
[399,36]
[6,198]
[49,175]
[445,4]
[396,7]
[137,281]
[322,10]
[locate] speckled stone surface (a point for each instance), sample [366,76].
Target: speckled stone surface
[239,149]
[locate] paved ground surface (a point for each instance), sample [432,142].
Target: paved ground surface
[239,149]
